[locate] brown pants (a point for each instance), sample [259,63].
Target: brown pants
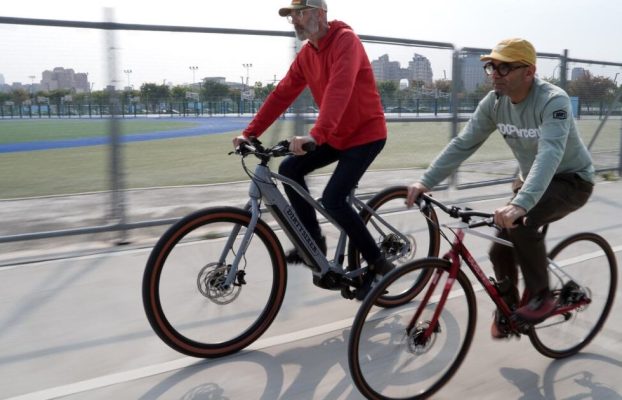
[565,194]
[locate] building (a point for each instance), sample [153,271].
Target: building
[3,86]
[386,70]
[578,73]
[419,69]
[68,79]
[473,74]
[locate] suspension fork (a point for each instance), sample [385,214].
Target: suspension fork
[253,206]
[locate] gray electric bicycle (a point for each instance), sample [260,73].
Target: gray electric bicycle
[216,279]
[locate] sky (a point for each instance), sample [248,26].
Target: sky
[587,29]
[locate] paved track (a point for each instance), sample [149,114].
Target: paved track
[74,328]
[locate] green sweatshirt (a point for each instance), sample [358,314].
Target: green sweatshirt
[540,131]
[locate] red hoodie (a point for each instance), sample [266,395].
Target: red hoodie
[342,83]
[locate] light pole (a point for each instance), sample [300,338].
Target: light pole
[248,67]
[193,68]
[32,83]
[245,86]
[128,72]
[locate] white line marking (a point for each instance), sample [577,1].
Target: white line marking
[152,370]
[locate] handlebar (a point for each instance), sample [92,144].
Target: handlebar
[464,214]
[254,146]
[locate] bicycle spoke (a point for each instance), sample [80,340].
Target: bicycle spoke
[389,361]
[584,284]
[186,296]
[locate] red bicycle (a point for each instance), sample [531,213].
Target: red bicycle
[411,351]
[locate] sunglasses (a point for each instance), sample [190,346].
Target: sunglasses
[502,69]
[297,14]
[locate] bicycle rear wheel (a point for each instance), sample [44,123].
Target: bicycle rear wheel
[183,293]
[419,227]
[589,271]
[388,362]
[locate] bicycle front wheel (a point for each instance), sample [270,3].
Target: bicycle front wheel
[390,361]
[184,294]
[585,282]
[420,238]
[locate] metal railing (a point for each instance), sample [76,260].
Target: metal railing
[118,214]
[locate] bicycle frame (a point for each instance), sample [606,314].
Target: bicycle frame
[263,188]
[455,254]
[458,253]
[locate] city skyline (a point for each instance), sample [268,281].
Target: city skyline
[590,31]
[384,69]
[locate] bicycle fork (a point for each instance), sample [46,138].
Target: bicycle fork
[253,205]
[421,333]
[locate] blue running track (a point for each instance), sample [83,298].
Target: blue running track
[207,126]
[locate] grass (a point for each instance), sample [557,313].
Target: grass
[18,131]
[204,159]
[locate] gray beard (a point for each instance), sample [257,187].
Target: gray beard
[304,34]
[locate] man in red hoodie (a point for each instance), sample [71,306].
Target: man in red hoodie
[350,128]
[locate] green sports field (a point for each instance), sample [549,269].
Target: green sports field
[198,159]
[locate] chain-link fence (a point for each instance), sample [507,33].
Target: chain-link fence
[120,149]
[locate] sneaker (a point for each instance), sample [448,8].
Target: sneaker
[376,270]
[499,328]
[293,257]
[538,308]
[382,266]
[367,282]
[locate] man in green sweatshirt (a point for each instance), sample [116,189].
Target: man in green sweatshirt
[556,172]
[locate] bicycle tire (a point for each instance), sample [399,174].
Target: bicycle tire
[182,298]
[592,263]
[420,226]
[383,359]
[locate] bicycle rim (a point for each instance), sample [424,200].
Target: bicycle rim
[420,229]
[386,362]
[589,261]
[182,293]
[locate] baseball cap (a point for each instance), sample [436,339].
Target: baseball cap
[513,50]
[298,4]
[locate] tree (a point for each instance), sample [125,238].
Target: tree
[261,92]
[592,88]
[19,96]
[57,94]
[388,91]
[152,94]
[178,93]
[100,97]
[212,90]
[443,85]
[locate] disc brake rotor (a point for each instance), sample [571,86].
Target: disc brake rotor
[211,284]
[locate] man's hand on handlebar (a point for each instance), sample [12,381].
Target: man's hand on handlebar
[297,142]
[414,191]
[508,216]
[238,140]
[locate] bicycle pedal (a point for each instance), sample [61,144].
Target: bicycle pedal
[327,282]
[522,326]
[347,294]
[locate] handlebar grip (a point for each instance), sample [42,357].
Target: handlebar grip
[309,146]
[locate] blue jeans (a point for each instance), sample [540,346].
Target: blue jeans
[351,165]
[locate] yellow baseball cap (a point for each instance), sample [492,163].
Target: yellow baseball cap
[298,4]
[513,50]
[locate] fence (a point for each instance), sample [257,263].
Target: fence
[415,106]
